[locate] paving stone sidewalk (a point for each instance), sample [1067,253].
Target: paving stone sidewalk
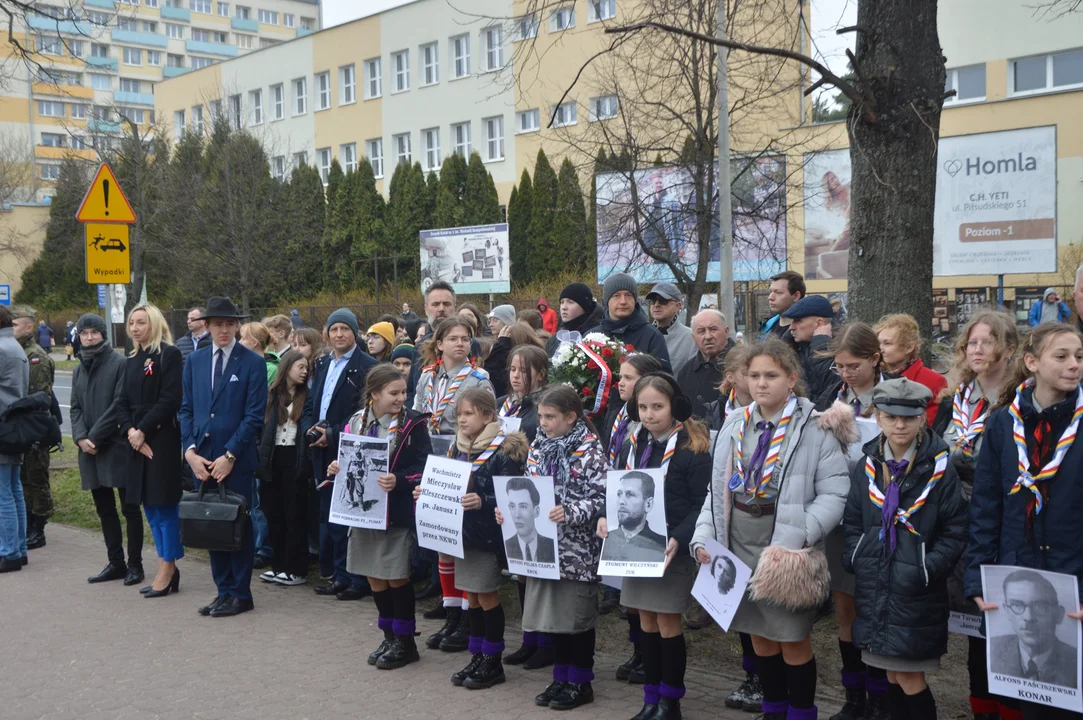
[102,652]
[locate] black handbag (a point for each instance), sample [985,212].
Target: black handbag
[213,521]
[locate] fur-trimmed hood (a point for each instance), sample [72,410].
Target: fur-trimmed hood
[839,421]
[515,447]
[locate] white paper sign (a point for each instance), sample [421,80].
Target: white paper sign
[1033,646]
[721,584]
[530,537]
[357,500]
[965,624]
[510,424]
[635,513]
[439,512]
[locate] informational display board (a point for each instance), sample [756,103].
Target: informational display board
[473,259]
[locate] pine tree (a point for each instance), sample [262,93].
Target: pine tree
[542,261]
[369,217]
[519,210]
[449,209]
[334,180]
[569,233]
[307,216]
[342,223]
[482,203]
[406,214]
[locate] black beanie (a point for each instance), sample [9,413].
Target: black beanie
[90,321]
[580,294]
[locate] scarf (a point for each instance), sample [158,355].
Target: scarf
[1035,482]
[510,408]
[968,421]
[888,500]
[617,433]
[671,446]
[553,456]
[436,406]
[480,443]
[755,479]
[92,354]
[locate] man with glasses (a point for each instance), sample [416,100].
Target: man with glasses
[197,336]
[810,328]
[1034,651]
[665,302]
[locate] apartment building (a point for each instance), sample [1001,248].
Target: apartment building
[94,64]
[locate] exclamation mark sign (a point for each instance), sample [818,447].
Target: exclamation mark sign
[105,189]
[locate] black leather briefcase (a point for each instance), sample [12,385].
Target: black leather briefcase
[213,520]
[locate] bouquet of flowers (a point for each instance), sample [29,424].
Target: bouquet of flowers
[589,365]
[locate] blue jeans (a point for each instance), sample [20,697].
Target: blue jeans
[12,514]
[164,522]
[259,525]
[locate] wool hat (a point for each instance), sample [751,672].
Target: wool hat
[90,321]
[404,351]
[384,329]
[811,306]
[617,282]
[504,313]
[344,316]
[902,397]
[580,294]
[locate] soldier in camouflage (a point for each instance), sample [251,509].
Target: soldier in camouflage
[35,475]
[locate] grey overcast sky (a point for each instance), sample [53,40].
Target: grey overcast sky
[336,12]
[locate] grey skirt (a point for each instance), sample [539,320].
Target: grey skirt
[560,606]
[899,664]
[380,554]
[748,537]
[478,572]
[671,593]
[834,547]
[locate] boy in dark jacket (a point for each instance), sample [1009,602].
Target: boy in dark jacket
[625,320]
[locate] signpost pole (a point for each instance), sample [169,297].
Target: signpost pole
[1000,291]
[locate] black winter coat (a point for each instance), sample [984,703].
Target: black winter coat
[902,600]
[638,332]
[302,470]
[687,481]
[345,400]
[149,402]
[497,365]
[407,465]
[699,379]
[528,414]
[817,371]
[480,531]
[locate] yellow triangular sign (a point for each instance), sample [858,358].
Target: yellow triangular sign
[105,201]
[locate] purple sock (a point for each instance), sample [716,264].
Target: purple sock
[748,664]
[580,676]
[492,648]
[545,640]
[854,680]
[775,707]
[876,685]
[530,639]
[670,693]
[475,645]
[560,673]
[404,628]
[802,713]
[385,623]
[650,694]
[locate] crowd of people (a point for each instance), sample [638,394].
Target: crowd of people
[759,443]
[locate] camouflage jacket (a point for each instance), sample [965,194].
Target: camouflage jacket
[42,368]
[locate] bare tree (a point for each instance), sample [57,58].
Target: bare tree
[18,182]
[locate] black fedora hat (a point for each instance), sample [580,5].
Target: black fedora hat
[221,307]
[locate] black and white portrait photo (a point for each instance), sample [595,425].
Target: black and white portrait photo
[724,572]
[1033,645]
[529,535]
[357,499]
[636,521]
[720,584]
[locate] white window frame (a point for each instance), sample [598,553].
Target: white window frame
[278,167]
[562,18]
[200,6]
[527,27]
[403,149]
[129,53]
[245,42]
[494,142]
[49,44]
[348,156]
[236,112]
[198,62]
[600,108]
[198,126]
[278,100]
[430,64]
[323,91]
[289,20]
[99,81]
[374,149]
[126,85]
[347,84]
[179,124]
[430,138]
[1049,86]
[52,106]
[154,58]
[374,78]
[255,101]
[50,171]
[599,10]
[565,115]
[268,17]
[152,3]
[299,92]
[461,139]
[400,66]
[459,54]
[175,31]
[80,111]
[323,156]
[223,9]
[300,158]
[527,121]
[953,84]
[494,48]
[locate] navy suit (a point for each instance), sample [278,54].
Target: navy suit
[229,418]
[345,401]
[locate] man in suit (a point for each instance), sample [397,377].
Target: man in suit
[221,416]
[633,540]
[1034,651]
[337,385]
[526,544]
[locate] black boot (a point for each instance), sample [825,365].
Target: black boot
[876,708]
[667,710]
[437,613]
[637,676]
[454,617]
[457,679]
[854,709]
[542,658]
[551,691]
[647,712]
[490,672]
[572,696]
[402,652]
[459,639]
[625,670]
[375,654]
[35,536]
[520,656]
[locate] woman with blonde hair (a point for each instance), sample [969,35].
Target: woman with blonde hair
[256,337]
[147,414]
[900,345]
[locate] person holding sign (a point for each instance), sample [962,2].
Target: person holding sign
[778,485]
[984,351]
[528,372]
[384,556]
[668,439]
[448,372]
[905,526]
[568,450]
[1027,500]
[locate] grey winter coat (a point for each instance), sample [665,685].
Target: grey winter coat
[681,345]
[14,378]
[95,416]
[477,378]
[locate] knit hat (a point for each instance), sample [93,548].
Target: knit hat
[617,282]
[404,351]
[385,330]
[504,313]
[344,316]
[90,321]
[580,294]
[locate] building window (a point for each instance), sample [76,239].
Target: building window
[79,112]
[127,24]
[601,10]
[178,124]
[98,50]
[101,82]
[197,119]
[347,83]
[201,35]
[223,9]
[135,115]
[494,48]
[373,78]
[243,13]
[200,6]
[216,110]
[324,156]
[265,42]
[375,150]
[402,148]
[460,136]
[308,23]
[244,42]
[150,27]
[130,86]
[75,47]
[348,155]
[564,115]
[300,159]
[48,44]
[154,57]
[528,27]
[97,18]
[430,64]
[494,138]
[460,55]
[50,172]
[48,108]
[400,61]
[527,121]
[255,101]
[78,142]
[300,96]
[323,91]
[235,111]
[562,19]
[290,21]
[268,17]
[174,60]
[603,108]
[1048,72]
[199,63]
[278,167]
[54,140]
[968,84]
[278,99]
[431,138]
[174,31]
[152,3]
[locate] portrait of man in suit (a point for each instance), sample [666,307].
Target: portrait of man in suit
[526,544]
[633,540]
[1033,651]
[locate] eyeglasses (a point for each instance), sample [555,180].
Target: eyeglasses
[849,369]
[1038,608]
[983,344]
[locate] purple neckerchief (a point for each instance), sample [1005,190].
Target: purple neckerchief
[617,441]
[372,431]
[755,463]
[645,456]
[897,468]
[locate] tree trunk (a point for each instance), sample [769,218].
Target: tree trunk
[893,151]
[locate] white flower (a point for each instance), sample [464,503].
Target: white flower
[597,337]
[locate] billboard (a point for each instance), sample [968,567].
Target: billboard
[657,217]
[473,259]
[996,196]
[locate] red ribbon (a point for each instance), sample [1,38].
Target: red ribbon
[602,395]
